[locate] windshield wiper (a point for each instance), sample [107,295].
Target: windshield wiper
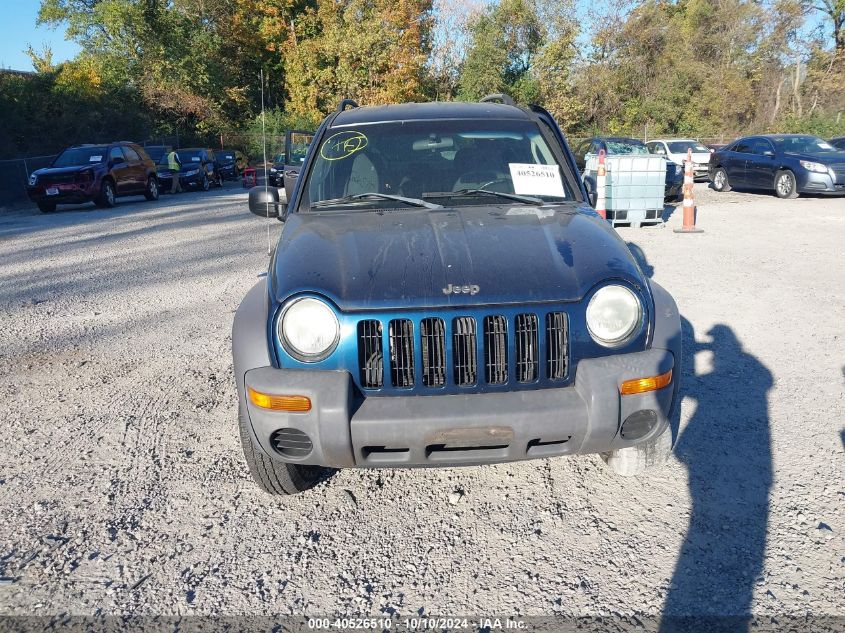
[463,192]
[414,202]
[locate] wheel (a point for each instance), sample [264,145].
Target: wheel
[785,185]
[151,192]
[205,185]
[276,478]
[46,207]
[720,180]
[636,460]
[107,197]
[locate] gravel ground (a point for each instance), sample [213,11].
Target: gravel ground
[123,488]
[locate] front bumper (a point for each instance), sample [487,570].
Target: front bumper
[458,430]
[66,193]
[813,182]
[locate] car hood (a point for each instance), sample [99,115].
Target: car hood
[825,159]
[410,258]
[55,171]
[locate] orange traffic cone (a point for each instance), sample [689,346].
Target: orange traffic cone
[689,198]
[601,186]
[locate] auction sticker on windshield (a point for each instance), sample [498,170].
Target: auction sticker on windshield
[536,180]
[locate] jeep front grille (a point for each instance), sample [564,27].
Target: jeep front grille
[433,350]
[557,344]
[402,352]
[464,350]
[527,363]
[495,350]
[437,352]
[370,355]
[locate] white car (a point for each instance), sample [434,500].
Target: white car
[676,151]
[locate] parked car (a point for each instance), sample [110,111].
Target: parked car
[621,146]
[715,147]
[676,151]
[94,173]
[200,169]
[442,295]
[789,164]
[838,142]
[286,166]
[159,154]
[232,162]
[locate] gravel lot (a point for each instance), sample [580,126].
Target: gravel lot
[123,488]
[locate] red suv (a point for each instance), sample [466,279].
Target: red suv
[94,173]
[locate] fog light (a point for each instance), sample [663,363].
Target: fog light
[295,404]
[638,424]
[642,385]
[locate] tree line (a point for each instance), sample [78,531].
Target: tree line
[702,68]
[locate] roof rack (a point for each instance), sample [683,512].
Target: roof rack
[347,102]
[499,96]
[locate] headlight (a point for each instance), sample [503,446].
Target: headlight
[273,170]
[815,167]
[192,172]
[308,329]
[32,180]
[613,314]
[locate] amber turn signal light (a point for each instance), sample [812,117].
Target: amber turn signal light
[642,385]
[294,404]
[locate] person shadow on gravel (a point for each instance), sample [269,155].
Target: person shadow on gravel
[726,448]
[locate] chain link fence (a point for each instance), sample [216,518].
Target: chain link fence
[14,175]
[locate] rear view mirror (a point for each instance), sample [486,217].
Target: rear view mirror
[264,201]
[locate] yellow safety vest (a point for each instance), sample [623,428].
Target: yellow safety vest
[171,162]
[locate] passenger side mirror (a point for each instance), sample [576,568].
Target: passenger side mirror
[264,202]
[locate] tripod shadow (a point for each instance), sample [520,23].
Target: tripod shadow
[726,448]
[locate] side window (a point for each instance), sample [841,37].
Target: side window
[743,146]
[762,147]
[116,155]
[131,154]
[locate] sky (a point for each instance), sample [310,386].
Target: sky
[17,30]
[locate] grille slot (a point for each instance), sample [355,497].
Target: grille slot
[527,353]
[433,350]
[370,354]
[464,351]
[557,344]
[495,350]
[401,333]
[291,442]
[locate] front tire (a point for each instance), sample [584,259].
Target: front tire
[642,458]
[151,192]
[785,185]
[107,197]
[274,477]
[720,180]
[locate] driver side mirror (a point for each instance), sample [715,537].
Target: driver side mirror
[265,202]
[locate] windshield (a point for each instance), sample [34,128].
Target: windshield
[77,156]
[681,147]
[156,153]
[442,160]
[189,156]
[626,147]
[805,145]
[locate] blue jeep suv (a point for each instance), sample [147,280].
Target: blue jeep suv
[443,295]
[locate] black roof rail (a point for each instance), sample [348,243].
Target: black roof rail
[347,102]
[500,96]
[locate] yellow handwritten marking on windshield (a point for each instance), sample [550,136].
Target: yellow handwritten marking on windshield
[343,145]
